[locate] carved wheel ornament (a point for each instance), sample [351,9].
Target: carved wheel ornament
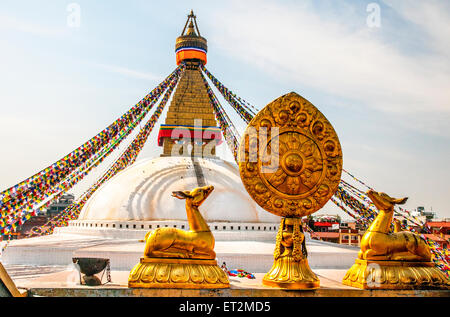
[290,158]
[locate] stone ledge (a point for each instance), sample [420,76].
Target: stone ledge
[232,292]
[57,285]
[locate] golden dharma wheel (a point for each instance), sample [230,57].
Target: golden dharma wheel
[290,157]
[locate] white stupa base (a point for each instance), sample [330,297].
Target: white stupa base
[222,230]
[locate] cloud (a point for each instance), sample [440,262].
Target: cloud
[129,72]
[432,16]
[295,43]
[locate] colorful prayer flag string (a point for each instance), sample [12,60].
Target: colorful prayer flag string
[126,159]
[228,129]
[16,196]
[241,108]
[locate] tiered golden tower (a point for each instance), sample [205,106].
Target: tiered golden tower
[190,127]
[190,113]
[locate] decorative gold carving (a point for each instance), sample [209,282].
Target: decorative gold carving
[366,274]
[298,168]
[174,258]
[398,260]
[177,273]
[290,161]
[290,268]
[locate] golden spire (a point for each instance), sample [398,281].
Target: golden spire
[193,19]
[190,44]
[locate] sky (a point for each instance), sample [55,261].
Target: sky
[378,70]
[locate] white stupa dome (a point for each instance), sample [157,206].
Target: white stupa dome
[143,192]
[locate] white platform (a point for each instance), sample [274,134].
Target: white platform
[237,252]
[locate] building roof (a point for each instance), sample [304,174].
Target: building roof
[439,224]
[435,237]
[325,235]
[324,224]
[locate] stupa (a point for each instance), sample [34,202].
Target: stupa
[140,196]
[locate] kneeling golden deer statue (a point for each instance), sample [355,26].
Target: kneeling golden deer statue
[379,244]
[198,243]
[175,258]
[393,260]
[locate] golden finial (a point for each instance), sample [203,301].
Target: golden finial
[190,44]
[193,23]
[191,30]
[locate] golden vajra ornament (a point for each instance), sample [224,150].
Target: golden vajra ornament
[398,260]
[175,258]
[290,162]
